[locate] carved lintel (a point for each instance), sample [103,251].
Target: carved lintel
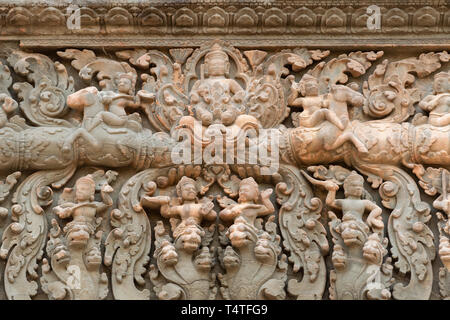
[313,110]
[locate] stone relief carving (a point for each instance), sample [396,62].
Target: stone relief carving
[75,252]
[228,17]
[359,247]
[253,269]
[200,230]
[184,263]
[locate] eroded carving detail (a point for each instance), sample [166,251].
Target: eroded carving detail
[129,116]
[253,269]
[75,251]
[359,244]
[184,263]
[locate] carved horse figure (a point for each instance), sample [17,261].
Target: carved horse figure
[87,101]
[92,103]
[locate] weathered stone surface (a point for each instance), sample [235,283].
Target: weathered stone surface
[204,157]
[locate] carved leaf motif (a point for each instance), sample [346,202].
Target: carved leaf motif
[410,237]
[44,102]
[388,89]
[128,245]
[304,235]
[430,179]
[10,181]
[164,82]
[24,238]
[89,65]
[79,58]
[335,71]
[267,96]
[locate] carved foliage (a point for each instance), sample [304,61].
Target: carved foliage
[410,237]
[24,238]
[304,236]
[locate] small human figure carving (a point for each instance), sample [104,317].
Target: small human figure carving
[188,207]
[115,102]
[438,104]
[315,106]
[83,210]
[251,203]
[331,107]
[359,247]
[352,204]
[216,98]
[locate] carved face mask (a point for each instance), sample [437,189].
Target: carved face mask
[84,191]
[247,193]
[189,192]
[124,85]
[441,85]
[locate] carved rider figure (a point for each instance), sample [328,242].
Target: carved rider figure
[331,107]
[315,106]
[93,103]
[438,104]
[215,98]
[116,102]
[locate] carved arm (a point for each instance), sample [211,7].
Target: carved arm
[155,202]
[228,214]
[329,185]
[65,210]
[331,195]
[268,205]
[429,102]
[107,201]
[236,89]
